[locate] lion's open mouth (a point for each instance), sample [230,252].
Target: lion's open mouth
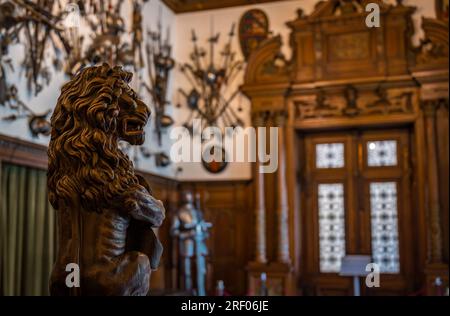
[134,127]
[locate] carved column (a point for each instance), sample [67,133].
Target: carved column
[433,204]
[282,200]
[260,209]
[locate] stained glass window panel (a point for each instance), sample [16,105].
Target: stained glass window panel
[382,153]
[330,155]
[383,204]
[331,226]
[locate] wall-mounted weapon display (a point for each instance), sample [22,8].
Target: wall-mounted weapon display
[37,25]
[209,98]
[107,32]
[81,34]
[159,65]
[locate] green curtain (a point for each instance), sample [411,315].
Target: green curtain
[27,231]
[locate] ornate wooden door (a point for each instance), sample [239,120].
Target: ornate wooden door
[356,200]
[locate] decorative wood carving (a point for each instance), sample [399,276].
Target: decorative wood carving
[267,64]
[344,75]
[433,50]
[334,42]
[105,211]
[350,104]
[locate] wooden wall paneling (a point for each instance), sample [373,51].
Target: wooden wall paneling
[228,206]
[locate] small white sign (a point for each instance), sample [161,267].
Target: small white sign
[354,265]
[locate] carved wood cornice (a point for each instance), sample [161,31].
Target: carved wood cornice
[350,102]
[432,53]
[184,6]
[335,9]
[267,65]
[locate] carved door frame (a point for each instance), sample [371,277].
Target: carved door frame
[355,177]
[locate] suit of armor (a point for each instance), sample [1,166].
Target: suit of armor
[191,231]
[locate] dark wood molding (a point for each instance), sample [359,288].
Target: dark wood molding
[184,6]
[21,152]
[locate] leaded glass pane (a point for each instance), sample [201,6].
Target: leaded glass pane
[331,226]
[382,153]
[383,204]
[330,155]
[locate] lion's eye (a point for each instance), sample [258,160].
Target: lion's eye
[128,101]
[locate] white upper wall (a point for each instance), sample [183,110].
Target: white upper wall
[180,34]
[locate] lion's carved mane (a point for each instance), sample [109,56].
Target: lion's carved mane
[85,161]
[105,210]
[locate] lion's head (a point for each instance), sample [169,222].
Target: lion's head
[95,110]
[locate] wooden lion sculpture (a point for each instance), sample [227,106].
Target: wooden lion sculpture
[105,212]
